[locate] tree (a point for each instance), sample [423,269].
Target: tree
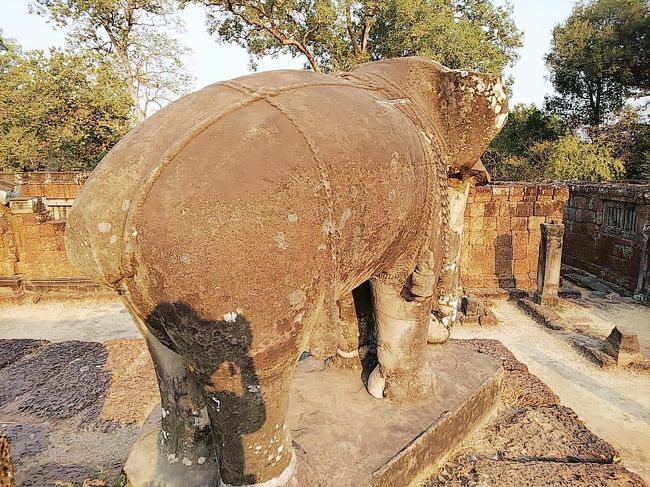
[511,154]
[132,34]
[628,138]
[60,111]
[598,58]
[332,35]
[469,34]
[572,159]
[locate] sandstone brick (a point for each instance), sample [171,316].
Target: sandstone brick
[519,223]
[505,208]
[476,209]
[543,208]
[517,193]
[490,209]
[503,224]
[482,193]
[520,252]
[500,192]
[530,193]
[586,216]
[520,267]
[476,225]
[524,209]
[561,193]
[534,223]
[579,202]
[47,230]
[520,236]
[490,223]
[544,192]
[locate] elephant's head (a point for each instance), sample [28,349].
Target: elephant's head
[467,108]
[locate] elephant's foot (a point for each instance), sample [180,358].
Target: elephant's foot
[149,465]
[402,386]
[402,329]
[438,333]
[285,479]
[376,383]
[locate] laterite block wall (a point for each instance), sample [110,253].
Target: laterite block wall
[32,244]
[502,233]
[604,230]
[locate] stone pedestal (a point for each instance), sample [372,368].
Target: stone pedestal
[549,263]
[344,437]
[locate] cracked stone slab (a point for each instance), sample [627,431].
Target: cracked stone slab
[495,349]
[548,433]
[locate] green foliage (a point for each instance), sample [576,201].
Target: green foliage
[133,35]
[60,111]
[510,155]
[571,159]
[598,57]
[537,146]
[628,139]
[332,35]
[470,34]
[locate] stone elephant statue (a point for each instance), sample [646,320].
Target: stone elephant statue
[233,220]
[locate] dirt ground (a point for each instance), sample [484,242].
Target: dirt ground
[69,320]
[614,404]
[597,316]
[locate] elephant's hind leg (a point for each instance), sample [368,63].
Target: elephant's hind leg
[246,392]
[180,449]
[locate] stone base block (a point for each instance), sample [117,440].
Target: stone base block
[148,466]
[344,437]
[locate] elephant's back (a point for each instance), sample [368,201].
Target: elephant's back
[101,230]
[308,183]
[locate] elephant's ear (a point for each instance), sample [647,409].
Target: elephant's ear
[472,109]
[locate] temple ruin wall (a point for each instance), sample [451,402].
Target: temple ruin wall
[604,230]
[502,232]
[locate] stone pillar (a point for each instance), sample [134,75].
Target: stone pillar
[549,262]
[642,291]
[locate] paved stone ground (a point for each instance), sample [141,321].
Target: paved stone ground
[71,411]
[532,441]
[613,403]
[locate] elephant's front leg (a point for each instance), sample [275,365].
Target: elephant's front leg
[402,321]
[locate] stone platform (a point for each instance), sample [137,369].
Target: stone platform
[345,437]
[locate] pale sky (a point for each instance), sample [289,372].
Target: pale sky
[211,62]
